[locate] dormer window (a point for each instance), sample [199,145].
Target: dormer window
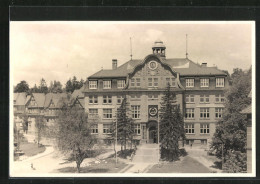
[204,83]
[189,83]
[220,82]
[120,84]
[92,84]
[107,84]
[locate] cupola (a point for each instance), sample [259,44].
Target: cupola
[159,48]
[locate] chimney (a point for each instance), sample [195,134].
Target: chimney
[114,64]
[204,64]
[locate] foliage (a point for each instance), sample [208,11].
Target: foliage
[73,84]
[125,124]
[231,129]
[55,87]
[35,89]
[21,87]
[171,126]
[41,126]
[125,153]
[43,86]
[73,133]
[236,162]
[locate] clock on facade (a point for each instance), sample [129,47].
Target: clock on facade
[152,65]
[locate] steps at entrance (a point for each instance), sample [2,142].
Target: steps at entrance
[146,153]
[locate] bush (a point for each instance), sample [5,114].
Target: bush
[125,153]
[236,162]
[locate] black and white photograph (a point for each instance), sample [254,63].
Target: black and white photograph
[132,98]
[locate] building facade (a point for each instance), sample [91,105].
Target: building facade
[199,91]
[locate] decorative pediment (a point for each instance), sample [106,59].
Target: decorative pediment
[153,65]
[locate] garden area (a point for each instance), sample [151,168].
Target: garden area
[107,165]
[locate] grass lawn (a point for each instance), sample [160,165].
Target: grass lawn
[101,167]
[31,149]
[186,165]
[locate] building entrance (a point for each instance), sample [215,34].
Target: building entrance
[153,134]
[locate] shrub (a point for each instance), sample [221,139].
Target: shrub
[125,153]
[236,162]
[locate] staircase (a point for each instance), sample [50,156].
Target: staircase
[146,153]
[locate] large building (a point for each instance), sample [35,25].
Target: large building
[199,91]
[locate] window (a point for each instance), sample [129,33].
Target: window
[92,84]
[189,98]
[155,82]
[107,99]
[204,128]
[135,111]
[152,82]
[204,113]
[189,128]
[137,129]
[189,113]
[204,82]
[152,96]
[135,82]
[107,113]
[220,82]
[220,98]
[120,84]
[218,112]
[107,84]
[107,128]
[189,83]
[204,98]
[138,82]
[93,99]
[171,81]
[93,112]
[135,97]
[94,129]
[120,99]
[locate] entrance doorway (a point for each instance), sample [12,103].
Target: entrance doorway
[153,135]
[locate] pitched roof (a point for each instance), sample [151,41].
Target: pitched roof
[39,98]
[78,92]
[183,66]
[20,98]
[54,97]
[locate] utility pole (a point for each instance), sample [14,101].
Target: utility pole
[158,143]
[116,143]
[131,55]
[222,156]
[186,46]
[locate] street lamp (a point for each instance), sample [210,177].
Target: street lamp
[158,143]
[116,142]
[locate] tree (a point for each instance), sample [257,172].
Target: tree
[231,129]
[171,126]
[35,89]
[55,87]
[43,86]
[41,126]
[74,134]
[21,87]
[125,124]
[73,84]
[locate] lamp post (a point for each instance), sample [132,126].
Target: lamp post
[158,142]
[116,143]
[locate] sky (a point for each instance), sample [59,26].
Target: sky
[60,50]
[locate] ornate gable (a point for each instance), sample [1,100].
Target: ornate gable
[153,73]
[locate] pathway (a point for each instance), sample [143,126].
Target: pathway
[146,156]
